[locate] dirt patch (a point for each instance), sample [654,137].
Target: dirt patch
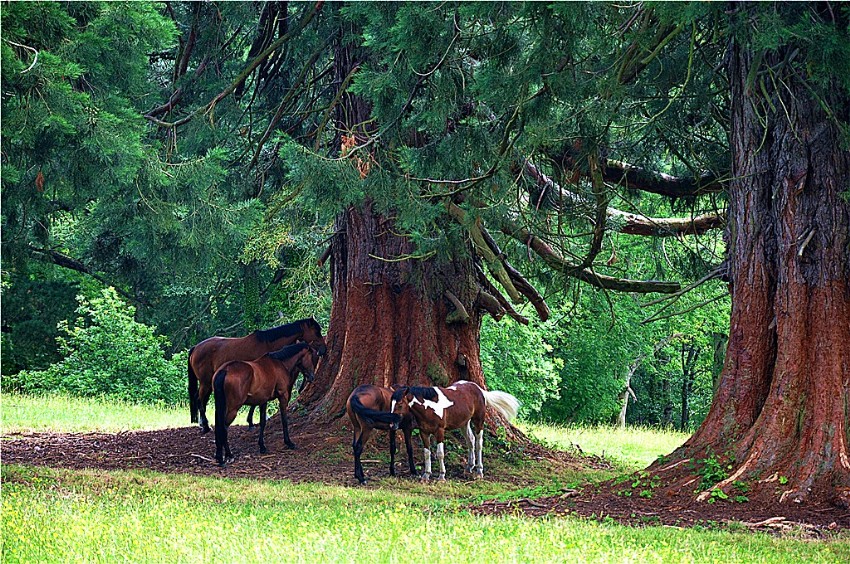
[324,455]
[608,502]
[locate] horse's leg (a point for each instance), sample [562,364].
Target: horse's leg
[251,417]
[285,423]
[426,450]
[470,443]
[204,391]
[479,449]
[358,445]
[408,444]
[392,453]
[263,449]
[440,436]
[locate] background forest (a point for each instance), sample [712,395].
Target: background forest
[154,193]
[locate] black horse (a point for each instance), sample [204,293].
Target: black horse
[369,408]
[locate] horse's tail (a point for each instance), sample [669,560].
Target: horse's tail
[193,390]
[372,416]
[505,403]
[220,407]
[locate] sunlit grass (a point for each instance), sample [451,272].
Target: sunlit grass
[88,516]
[631,448]
[58,413]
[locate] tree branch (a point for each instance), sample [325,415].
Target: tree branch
[624,222]
[488,290]
[71,263]
[637,178]
[459,315]
[560,264]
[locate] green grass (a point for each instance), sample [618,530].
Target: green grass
[85,516]
[631,448]
[57,515]
[22,413]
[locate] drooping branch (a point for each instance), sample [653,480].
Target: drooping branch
[623,222]
[71,263]
[637,178]
[560,264]
[521,284]
[490,290]
[494,264]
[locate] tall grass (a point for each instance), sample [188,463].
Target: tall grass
[60,413]
[630,448]
[86,516]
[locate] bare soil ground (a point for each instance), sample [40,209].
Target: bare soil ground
[324,455]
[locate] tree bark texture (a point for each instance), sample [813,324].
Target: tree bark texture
[780,414]
[389,318]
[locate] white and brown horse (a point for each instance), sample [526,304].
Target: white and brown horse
[437,410]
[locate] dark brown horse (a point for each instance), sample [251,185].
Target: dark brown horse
[257,382]
[437,410]
[368,407]
[208,355]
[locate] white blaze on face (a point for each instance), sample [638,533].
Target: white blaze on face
[392,406]
[438,406]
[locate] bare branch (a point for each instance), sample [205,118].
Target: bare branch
[559,264]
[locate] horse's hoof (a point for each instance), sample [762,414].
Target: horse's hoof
[479,475]
[425,478]
[204,430]
[291,446]
[263,450]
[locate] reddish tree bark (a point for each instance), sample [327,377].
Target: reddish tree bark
[389,317]
[780,414]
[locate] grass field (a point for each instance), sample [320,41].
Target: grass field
[53,515]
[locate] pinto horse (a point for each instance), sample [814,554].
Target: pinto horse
[256,382]
[208,355]
[437,410]
[368,407]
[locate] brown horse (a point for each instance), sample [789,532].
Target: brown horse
[437,410]
[368,407]
[256,382]
[208,355]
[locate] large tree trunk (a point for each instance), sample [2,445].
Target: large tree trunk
[389,317]
[781,410]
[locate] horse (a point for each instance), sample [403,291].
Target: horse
[368,408]
[256,382]
[208,355]
[437,410]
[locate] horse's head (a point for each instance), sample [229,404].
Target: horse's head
[307,361]
[312,335]
[400,404]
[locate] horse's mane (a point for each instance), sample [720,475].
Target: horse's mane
[419,392]
[275,333]
[288,351]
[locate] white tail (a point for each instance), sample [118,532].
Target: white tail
[504,403]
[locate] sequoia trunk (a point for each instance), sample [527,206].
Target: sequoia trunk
[389,315]
[780,414]
[389,312]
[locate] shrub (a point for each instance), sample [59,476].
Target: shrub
[107,353]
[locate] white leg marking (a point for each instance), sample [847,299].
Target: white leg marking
[440,456]
[470,443]
[427,454]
